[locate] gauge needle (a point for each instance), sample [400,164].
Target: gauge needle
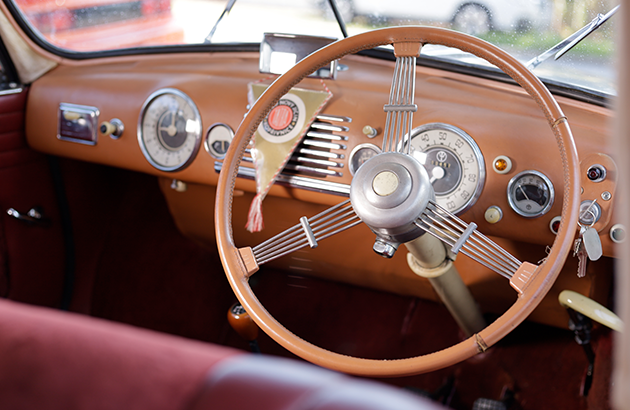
[171,130]
[436,173]
[523,191]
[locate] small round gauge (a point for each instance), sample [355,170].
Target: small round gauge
[360,154]
[530,194]
[169,129]
[218,139]
[454,162]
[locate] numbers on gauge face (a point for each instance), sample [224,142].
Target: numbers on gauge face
[454,163]
[169,130]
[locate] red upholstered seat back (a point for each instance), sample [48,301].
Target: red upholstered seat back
[53,360]
[56,360]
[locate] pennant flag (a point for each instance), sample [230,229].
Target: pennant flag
[277,137]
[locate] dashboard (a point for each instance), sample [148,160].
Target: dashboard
[489,152]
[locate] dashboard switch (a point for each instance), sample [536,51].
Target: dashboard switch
[369,131]
[493,214]
[554,225]
[596,173]
[618,233]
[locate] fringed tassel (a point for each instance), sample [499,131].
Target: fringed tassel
[255,216]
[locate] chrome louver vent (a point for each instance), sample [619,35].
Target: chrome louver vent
[320,155]
[316,156]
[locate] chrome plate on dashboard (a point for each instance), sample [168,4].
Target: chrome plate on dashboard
[169,129]
[454,162]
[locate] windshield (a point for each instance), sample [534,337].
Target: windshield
[525,28]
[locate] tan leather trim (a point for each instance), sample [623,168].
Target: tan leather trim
[540,283]
[27,40]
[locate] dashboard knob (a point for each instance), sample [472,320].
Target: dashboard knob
[114,128]
[369,131]
[493,214]
[242,323]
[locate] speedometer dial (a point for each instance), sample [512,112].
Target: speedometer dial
[454,163]
[169,129]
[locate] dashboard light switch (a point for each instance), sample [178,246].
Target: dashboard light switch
[370,131]
[493,214]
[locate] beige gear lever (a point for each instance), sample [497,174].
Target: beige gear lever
[588,307]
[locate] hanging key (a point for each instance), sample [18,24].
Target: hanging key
[580,253]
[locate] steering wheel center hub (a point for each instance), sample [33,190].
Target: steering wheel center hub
[385,183]
[389,192]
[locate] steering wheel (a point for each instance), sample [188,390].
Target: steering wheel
[530,281]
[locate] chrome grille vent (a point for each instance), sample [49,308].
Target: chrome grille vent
[315,156]
[319,155]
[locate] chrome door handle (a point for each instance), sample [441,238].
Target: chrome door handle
[33,217]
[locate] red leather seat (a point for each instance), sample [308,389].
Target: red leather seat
[55,360]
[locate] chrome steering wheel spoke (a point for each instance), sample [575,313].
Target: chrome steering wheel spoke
[401,106]
[308,232]
[460,236]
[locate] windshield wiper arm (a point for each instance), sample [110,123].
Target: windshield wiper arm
[568,43]
[342,24]
[226,11]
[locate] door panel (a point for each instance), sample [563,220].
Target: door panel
[31,254]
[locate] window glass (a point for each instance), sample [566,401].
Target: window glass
[525,28]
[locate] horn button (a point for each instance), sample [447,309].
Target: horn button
[389,192]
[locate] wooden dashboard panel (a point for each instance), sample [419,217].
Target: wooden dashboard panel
[501,118]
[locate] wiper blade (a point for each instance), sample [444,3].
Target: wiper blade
[568,43]
[226,11]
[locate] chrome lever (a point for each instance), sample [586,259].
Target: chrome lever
[33,217]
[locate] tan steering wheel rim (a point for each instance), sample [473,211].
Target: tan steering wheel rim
[531,295]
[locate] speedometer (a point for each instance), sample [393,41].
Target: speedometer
[169,130]
[454,163]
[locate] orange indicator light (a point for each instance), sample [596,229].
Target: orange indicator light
[500,164]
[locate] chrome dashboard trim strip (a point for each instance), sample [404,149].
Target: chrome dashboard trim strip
[294,181]
[311,170]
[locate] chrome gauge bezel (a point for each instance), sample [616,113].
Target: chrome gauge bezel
[477,159]
[211,139]
[196,133]
[351,166]
[513,203]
